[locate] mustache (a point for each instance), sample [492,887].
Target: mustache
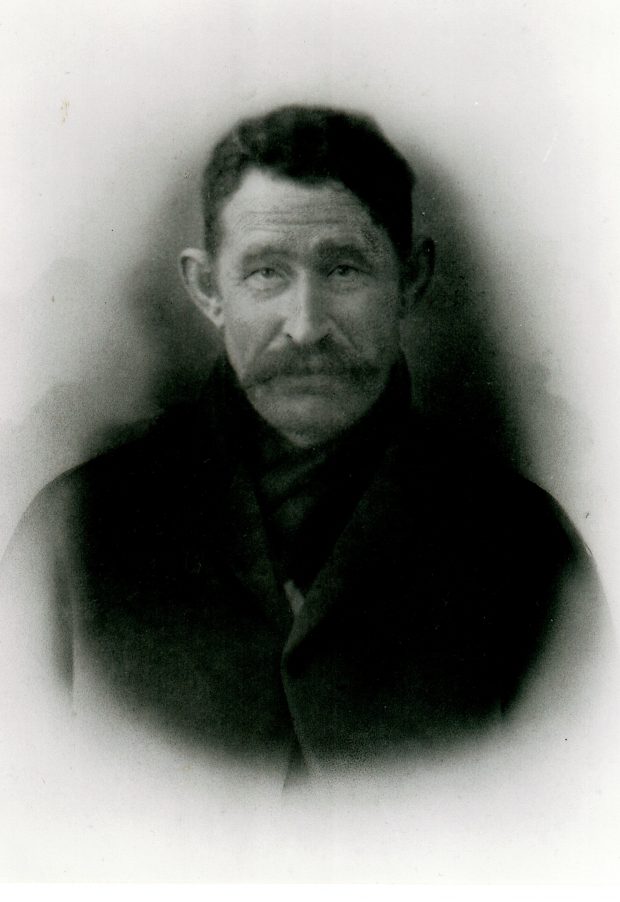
[290,361]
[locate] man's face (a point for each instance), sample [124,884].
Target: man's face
[309,299]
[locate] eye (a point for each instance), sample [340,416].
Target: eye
[344,270]
[265,272]
[264,277]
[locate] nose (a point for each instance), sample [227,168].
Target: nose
[306,319]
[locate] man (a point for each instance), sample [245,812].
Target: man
[301,565]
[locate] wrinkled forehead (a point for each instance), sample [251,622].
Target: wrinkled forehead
[268,207]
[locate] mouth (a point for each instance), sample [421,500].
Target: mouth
[311,380]
[308,371]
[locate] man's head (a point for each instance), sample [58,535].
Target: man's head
[308,265]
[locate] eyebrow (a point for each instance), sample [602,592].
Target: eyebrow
[325,249]
[360,252]
[265,250]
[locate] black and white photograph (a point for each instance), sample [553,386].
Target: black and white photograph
[308,442]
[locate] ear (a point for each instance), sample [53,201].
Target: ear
[418,274]
[198,277]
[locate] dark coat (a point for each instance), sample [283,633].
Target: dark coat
[420,628]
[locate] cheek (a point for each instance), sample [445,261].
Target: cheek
[376,325]
[237,340]
[244,333]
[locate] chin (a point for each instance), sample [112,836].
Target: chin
[311,419]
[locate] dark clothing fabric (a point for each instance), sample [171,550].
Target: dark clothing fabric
[431,577]
[306,495]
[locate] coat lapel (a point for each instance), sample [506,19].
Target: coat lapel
[381,507]
[245,551]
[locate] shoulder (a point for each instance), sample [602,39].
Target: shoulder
[473,482]
[510,535]
[131,485]
[166,450]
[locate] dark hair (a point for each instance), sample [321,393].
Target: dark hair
[314,144]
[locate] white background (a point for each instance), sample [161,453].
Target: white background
[508,110]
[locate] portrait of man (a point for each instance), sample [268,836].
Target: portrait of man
[298,533]
[300,564]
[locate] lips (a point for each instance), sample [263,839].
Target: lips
[318,370]
[311,378]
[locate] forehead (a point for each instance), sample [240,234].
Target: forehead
[269,207]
